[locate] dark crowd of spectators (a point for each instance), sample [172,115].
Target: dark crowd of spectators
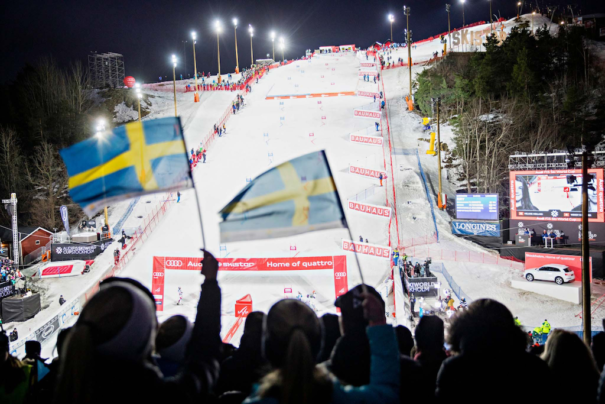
[118,353]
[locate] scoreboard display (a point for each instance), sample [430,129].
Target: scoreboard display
[477,206]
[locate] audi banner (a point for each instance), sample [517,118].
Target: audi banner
[337,264]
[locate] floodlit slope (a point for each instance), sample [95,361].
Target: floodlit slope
[245,152]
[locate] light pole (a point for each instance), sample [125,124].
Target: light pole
[532,21]
[273,42]
[100,131]
[406,11]
[251,31]
[462,2]
[491,27]
[236,59]
[137,88]
[449,30]
[282,46]
[518,9]
[174,81]
[217,24]
[196,96]
[391,19]
[436,103]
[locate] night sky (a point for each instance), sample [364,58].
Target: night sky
[148,32]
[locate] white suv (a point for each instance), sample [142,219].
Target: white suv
[550,272]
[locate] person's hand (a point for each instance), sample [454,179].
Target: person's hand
[209,265]
[372,310]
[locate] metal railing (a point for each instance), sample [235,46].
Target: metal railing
[363,195]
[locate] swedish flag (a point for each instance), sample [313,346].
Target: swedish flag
[134,159]
[295,197]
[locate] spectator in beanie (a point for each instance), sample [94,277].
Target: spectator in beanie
[292,341]
[490,356]
[171,343]
[115,335]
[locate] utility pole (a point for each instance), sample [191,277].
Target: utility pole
[491,23]
[236,58]
[406,11]
[437,103]
[173,82]
[586,319]
[449,29]
[11,208]
[194,41]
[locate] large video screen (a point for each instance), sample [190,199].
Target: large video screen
[477,206]
[555,195]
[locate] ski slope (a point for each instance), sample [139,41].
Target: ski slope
[263,134]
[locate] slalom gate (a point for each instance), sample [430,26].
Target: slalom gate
[338,264]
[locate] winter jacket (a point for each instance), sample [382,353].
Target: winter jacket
[384,374]
[494,377]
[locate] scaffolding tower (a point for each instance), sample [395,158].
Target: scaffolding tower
[106,69]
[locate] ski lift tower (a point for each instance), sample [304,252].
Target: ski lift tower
[106,69]
[11,208]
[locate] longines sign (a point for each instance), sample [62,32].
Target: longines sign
[468,37]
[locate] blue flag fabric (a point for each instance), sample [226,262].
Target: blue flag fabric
[295,197]
[134,159]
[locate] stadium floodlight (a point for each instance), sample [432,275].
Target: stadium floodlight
[193,35]
[282,45]
[235,22]
[391,19]
[236,55]
[251,31]
[217,26]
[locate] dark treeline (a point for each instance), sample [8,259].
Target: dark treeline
[530,93]
[43,110]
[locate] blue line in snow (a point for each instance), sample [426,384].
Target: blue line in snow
[428,195]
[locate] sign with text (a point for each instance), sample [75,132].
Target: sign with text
[368,94]
[366,172]
[486,229]
[382,211]
[370,140]
[426,287]
[366,249]
[360,113]
[337,264]
[574,262]
[368,73]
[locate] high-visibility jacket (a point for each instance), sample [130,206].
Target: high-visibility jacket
[517,322]
[546,327]
[538,330]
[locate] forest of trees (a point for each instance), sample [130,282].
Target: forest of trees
[531,93]
[43,110]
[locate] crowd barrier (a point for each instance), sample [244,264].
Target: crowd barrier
[363,195]
[418,241]
[454,287]
[439,254]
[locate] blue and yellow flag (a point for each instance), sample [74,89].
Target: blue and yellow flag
[135,159]
[295,197]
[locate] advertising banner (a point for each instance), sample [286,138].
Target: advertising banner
[369,140]
[574,262]
[360,113]
[486,229]
[65,217]
[369,94]
[58,271]
[68,252]
[368,73]
[367,249]
[423,286]
[368,64]
[6,289]
[382,211]
[338,264]
[47,330]
[555,195]
[366,172]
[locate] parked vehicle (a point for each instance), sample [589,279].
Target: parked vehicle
[557,273]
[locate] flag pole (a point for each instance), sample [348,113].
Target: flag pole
[199,212]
